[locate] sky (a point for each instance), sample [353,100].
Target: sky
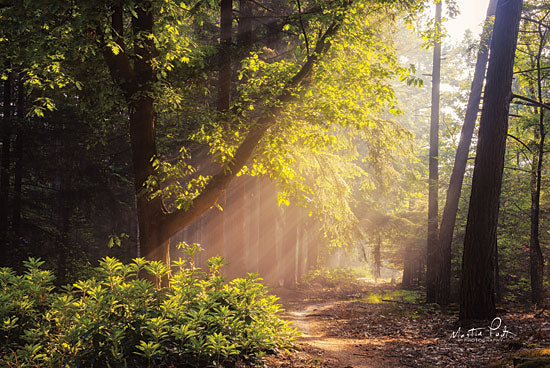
[472,14]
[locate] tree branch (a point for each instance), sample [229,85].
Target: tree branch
[530,70]
[534,102]
[535,21]
[519,140]
[176,220]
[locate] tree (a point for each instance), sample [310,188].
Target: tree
[154,49]
[136,77]
[477,282]
[534,31]
[433,179]
[448,218]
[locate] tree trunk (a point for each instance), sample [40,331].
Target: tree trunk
[268,245]
[5,159]
[154,243]
[457,176]
[477,300]
[433,185]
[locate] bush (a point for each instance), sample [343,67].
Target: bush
[332,277]
[116,319]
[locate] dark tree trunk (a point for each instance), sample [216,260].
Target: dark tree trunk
[18,152]
[433,184]
[268,245]
[5,159]
[457,176]
[154,244]
[477,300]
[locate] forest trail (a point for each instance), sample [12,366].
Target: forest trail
[360,328]
[342,351]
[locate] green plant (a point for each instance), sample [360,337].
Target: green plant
[332,277]
[116,319]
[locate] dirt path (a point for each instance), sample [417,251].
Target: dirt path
[353,329]
[340,352]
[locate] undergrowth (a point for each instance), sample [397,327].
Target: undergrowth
[332,277]
[117,319]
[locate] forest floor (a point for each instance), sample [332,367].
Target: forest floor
[378,325]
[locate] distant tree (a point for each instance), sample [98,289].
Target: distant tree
[433,167]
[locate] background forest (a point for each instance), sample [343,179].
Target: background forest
[303,141]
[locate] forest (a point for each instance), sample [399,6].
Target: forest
[274,183]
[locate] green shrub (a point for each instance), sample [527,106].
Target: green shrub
[332,277]
[116,319]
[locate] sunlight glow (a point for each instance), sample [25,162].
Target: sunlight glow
[472,14]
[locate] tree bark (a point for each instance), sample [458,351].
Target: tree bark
[457,176]
[433,184]
[477,284]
